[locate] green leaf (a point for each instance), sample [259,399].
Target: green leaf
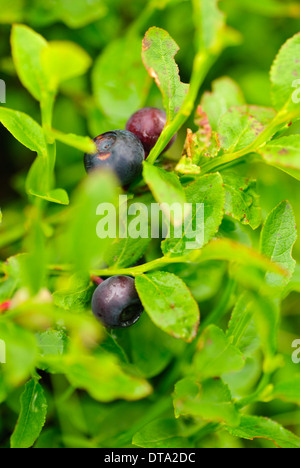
[49,438]
[52,342]
[127,249]
[159,50]
[208,190]
[34,265]
[80,326]
[242,201]
[241,330]
[167,190]
[126,252]
[204,280]
[43,66]
[152,349]
[284,154]
[85,249]
[294,284]
[215,355]
[210,401]
[264,115]
[21,353]
[161,433]
[238,129]
[80,13]
[267,319]
[39,179]
[58,196]
[27,47]
[81,143]
[254,322]
[120,82]
[24,129]
[254,427]
[101,376]
[284,73]
[287,390]
[63,60]
[208,193]
[225,94]
[74,14]
[169,303]
[233,252]
[32,416]
[78,294]
[278,237]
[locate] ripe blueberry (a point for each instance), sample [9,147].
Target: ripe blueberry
[147,124]
[120,151]
[116,303]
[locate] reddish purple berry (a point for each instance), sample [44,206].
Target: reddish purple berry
[147,124]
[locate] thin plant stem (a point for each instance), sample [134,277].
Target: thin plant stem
[254,397]
[202,64]
[228,159]
[222,306]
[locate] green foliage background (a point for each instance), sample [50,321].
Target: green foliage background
[68,382]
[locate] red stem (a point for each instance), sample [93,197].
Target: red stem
[96,279]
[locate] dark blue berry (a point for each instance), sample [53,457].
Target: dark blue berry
[120,151]
[116,303]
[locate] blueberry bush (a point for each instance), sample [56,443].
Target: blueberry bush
[213,360]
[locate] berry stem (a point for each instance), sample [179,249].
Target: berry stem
[139,270]
[255,396]
[96,279]
[222,306]
[47,104]
[205,58]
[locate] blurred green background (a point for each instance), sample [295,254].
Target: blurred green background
[98,26]
[101,28]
